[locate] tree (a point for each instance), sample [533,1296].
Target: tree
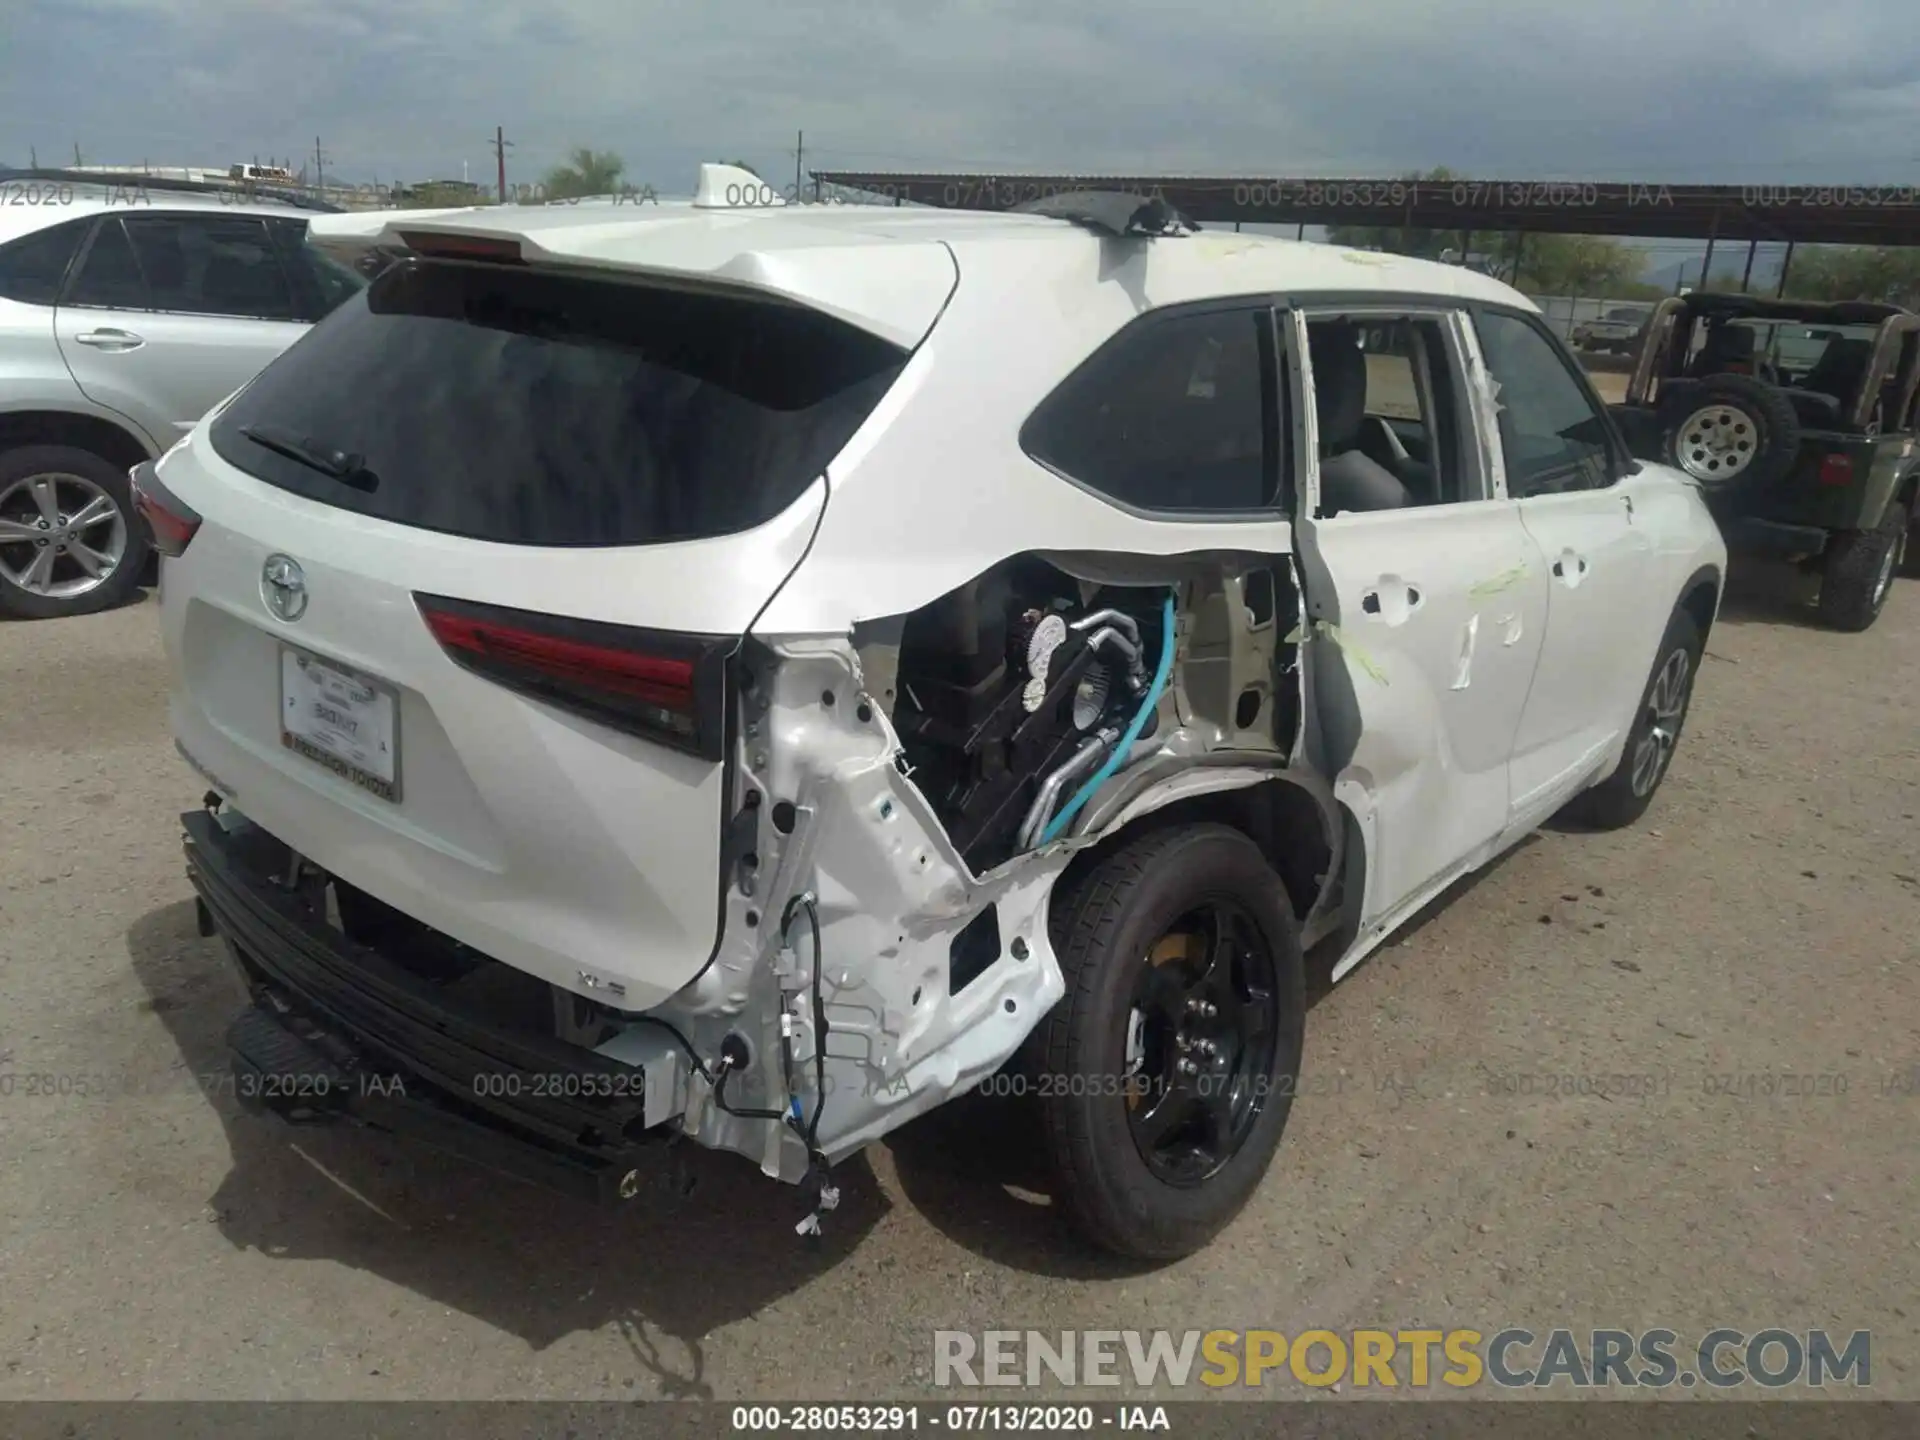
[1577,265]
[586,172]
[1886,273]
[439,194]
[1549,264]
[1401,239]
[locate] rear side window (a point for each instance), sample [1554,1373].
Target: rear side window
[532,408]
[32,267]
[1176,413]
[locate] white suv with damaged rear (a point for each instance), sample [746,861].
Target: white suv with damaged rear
[755,675]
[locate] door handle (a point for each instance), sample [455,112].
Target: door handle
[109,339]
[1391,599]
[1570,568]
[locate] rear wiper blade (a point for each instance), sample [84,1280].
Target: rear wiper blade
[341,465]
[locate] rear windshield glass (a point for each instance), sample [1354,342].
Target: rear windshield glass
[542,409]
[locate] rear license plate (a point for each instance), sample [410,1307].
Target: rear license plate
[341,720]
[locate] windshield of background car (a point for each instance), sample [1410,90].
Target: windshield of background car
[533,408]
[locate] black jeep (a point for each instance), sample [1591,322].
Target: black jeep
[1798,422]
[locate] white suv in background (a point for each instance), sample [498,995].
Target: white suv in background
[755,675]
[127,311]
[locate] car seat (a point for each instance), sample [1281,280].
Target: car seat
[1728,351]
[1350,479]
[1822,395]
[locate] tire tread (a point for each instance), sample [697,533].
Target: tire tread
[1087,915]
[1847,574]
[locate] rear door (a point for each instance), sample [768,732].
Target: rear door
[1425,592]
[1576,497]
[470,560]
[169,312]
[33,266]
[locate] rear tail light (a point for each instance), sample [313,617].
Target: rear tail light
[653,683]
[170,520]
[1836,470]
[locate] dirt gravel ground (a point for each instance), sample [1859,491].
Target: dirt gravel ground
[1449,1162]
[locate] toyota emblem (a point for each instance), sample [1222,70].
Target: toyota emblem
[283,586]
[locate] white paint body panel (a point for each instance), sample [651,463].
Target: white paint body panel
[1604,617]
[1430,755]
[545,841]
[172,365]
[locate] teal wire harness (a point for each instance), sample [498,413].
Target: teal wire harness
[1161,674]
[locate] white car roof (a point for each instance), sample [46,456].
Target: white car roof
[890,270]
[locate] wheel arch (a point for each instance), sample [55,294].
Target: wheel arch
[1907,490]
[1700,597]
[1291,816]
[116,444]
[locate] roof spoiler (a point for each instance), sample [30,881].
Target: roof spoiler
[1112,212]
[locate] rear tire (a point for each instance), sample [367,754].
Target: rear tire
[46,487]
[1623,797]
[1858,570]
[1151,1160]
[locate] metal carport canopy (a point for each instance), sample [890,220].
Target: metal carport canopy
[1803,214]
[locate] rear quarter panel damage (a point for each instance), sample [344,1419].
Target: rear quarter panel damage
[892,894]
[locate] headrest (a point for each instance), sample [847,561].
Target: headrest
[1730,342]
[1339,383]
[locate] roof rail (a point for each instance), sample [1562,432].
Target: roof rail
[1112,212]
[250,191]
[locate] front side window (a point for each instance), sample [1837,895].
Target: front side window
[1553,436]
[1176,413]
[211,265]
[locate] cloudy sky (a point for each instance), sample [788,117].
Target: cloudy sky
[1741,91]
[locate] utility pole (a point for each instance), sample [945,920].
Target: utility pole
[319,170]
[33,157]
[76,155]
[500,147]
[799,149]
